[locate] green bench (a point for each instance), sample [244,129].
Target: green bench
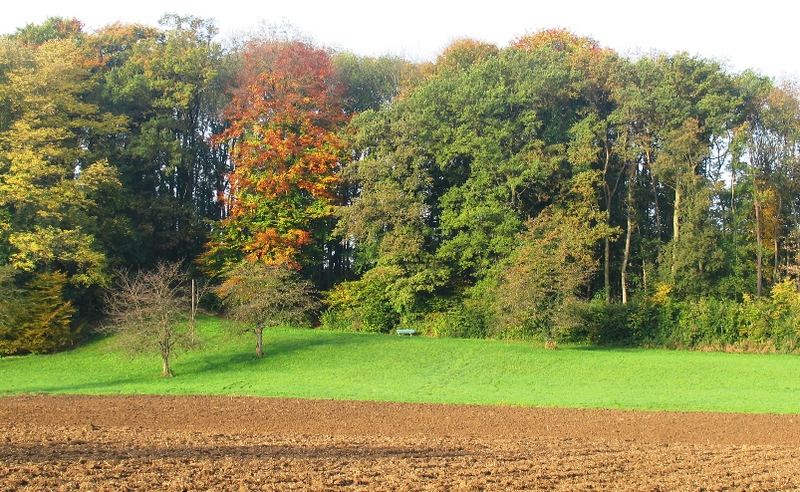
[407,332]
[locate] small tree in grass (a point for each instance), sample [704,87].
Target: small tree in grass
[147,309]
[261,295]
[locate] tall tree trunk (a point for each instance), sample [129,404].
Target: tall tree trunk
[606,242]
[676,229]
[629,224]
[609,192]
[644,276]
[654,190]
[759,259]
[193,313]
[607,269]
[776,267]
[626,257]
[775,249]
[733,205]
[656,207]
[259,342]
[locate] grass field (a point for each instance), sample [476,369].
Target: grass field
[329,365]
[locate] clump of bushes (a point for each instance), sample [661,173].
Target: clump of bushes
[461,321]
[752,324]
[364,305]
[600,323]
[770,321]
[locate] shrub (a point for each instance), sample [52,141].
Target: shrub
[42,321]
[434,324]
[365,304]
[726,323]
[643,322]
[601,323]
[467,320]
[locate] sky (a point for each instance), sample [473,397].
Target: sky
[763,35]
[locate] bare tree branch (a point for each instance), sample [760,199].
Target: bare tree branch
[147,309]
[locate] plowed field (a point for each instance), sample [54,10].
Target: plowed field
[191,443]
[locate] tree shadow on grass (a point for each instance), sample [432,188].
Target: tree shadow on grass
[188,364]
[87,387]
[604,348]
[274,351]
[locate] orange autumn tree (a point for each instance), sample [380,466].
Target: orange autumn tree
[285,154]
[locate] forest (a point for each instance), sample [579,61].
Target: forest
[550,189]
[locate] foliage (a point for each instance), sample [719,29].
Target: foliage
[50,29]
[554,262]
[601,323]
[51,181]
[445,179]
[437,195]
[763,323]
[281,124]
[467,320]
[38,319]
[169,83]
[364,304]
[463,53]
[368,83]
[9,301]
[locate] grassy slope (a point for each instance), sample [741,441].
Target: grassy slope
[319,364]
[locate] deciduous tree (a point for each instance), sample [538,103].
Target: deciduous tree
[148,309]
[261,296]
[281,128]
[554,262]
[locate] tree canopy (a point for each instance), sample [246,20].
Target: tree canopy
[478,194]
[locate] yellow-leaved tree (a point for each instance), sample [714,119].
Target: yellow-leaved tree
[52,186]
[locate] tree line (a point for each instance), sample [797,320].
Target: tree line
[550,188]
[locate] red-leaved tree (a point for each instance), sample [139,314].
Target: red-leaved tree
[281,128]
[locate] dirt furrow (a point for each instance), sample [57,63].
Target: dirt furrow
[219,443]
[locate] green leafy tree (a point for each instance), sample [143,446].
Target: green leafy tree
[554,264]
[770,137]
[55,187]
[52,28]
[170,84]
[369,83]
[446,177]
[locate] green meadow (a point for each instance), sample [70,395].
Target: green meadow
[303,363]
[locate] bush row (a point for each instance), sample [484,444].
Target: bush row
[766,323]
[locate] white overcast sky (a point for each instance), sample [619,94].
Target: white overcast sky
[759,34]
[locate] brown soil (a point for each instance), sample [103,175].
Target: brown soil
[196,443]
